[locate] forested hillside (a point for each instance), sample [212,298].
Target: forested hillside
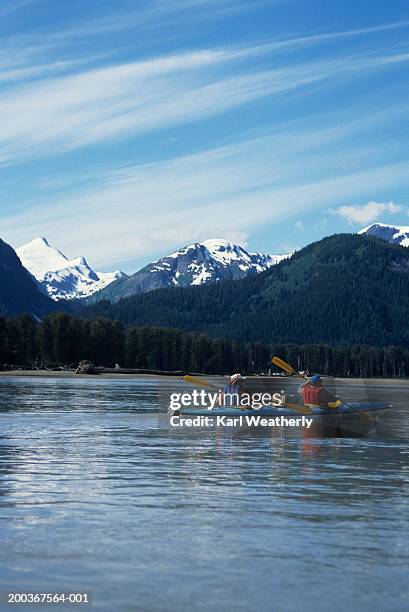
[346,289]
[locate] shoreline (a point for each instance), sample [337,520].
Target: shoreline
[112,375]
[69,374]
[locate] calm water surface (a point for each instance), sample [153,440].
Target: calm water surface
[98,493]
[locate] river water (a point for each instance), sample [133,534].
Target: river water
[98,493]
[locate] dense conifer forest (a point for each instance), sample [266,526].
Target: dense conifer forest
[62,340]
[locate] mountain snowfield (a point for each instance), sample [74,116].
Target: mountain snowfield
[195,264]
[206,260]
[395,234]
[62,278]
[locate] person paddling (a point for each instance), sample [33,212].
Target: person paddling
[314,394]
[233,391]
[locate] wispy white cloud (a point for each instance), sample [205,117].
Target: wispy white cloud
[139,97]
[28,72]
[12,6]
[323,37]
[27,45]
[363,214]
[142,211]
[156,13]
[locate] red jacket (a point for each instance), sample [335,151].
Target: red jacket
[316,395]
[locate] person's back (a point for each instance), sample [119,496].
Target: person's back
[310,394]
[315,394]
[233,390]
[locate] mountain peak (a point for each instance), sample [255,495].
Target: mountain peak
[394,234]
[62,278]
[42,239]
[199,263]
[39,241]
[214,243]
[39,257]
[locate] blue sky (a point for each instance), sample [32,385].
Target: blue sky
[128,129]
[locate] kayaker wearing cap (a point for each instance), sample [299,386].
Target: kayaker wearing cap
[233,390]
[315,394]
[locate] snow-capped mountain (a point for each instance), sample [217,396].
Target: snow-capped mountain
[195,264]
[60,277]
[395,234]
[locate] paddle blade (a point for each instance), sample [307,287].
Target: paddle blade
[283,365]
[195,380]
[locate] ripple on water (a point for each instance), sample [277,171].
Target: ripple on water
[97,492]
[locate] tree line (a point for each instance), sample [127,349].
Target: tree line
[356,360]
[62,340]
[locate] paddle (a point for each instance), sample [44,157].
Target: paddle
[283,365]
[200,382]
[298,408]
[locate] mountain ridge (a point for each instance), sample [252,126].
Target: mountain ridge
[336,291]
[193,265]
[394,234]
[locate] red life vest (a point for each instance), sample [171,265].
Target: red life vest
[312,395]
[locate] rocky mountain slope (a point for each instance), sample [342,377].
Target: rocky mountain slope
[19,292]
[62,278]
[196,264]
[395,234]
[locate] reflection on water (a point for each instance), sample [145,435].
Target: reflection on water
[98,493]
